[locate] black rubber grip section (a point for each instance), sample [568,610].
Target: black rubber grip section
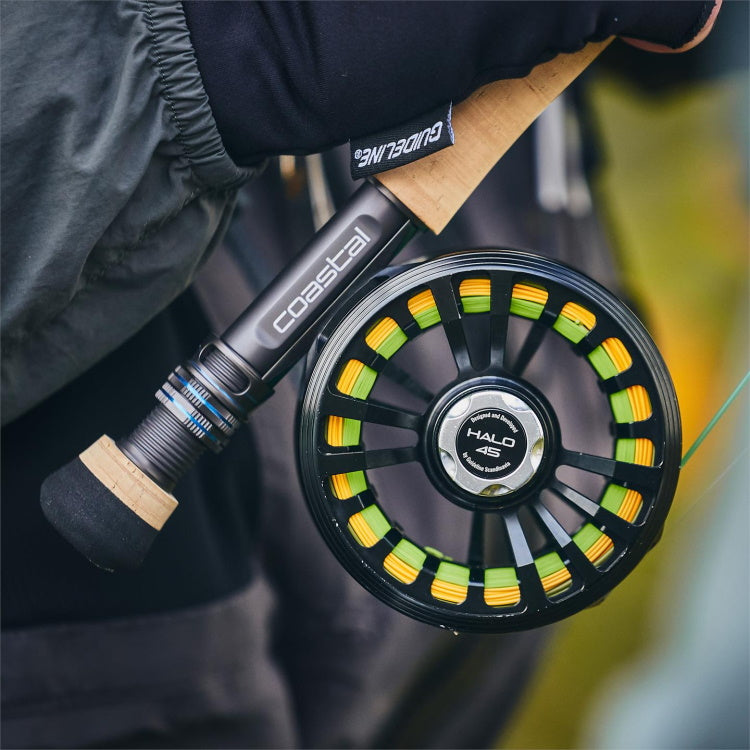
[162,448]
[99,525]
[184,423]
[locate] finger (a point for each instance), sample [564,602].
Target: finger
[694,42]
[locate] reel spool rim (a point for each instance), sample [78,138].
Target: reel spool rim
[363,308]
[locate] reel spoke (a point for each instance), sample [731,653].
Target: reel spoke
[450,316]
[398,375]
[634,430]
[399,311]
[500,296]
[532,591]
[582,503]
[537,333]
[475,557]
[594,511]
[569,550]
[360,460]
[372,411]
[489,440]
[529,348]
[635,475]
[390,370]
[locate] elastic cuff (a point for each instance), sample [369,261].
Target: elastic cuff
[187,99]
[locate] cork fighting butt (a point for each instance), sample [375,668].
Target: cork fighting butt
[106,507]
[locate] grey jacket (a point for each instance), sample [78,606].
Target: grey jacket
[115,183]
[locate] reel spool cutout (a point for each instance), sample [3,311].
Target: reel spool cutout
[539,529]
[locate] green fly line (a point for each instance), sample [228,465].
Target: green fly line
[719,414]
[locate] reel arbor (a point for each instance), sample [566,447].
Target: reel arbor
[542,529]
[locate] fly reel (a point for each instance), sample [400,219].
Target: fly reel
[443,453]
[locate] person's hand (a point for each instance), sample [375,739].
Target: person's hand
[300,77]
[702,33]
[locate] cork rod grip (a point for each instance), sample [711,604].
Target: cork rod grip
[485,125]
[128,483]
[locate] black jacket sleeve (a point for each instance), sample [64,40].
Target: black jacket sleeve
[297,77]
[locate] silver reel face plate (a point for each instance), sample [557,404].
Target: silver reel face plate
[490,442]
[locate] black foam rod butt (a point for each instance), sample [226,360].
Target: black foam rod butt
[95,521]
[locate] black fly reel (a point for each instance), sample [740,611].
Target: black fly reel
[458,456]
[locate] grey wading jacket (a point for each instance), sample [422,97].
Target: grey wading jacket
[115,182]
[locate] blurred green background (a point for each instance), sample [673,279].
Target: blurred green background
[675,188]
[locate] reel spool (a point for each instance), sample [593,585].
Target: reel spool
[540,526]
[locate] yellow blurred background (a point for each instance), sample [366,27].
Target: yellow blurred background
[675,184]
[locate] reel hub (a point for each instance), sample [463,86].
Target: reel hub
[485,441]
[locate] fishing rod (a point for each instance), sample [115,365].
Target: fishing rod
[488,440]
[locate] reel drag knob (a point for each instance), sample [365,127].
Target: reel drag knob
[491,442]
